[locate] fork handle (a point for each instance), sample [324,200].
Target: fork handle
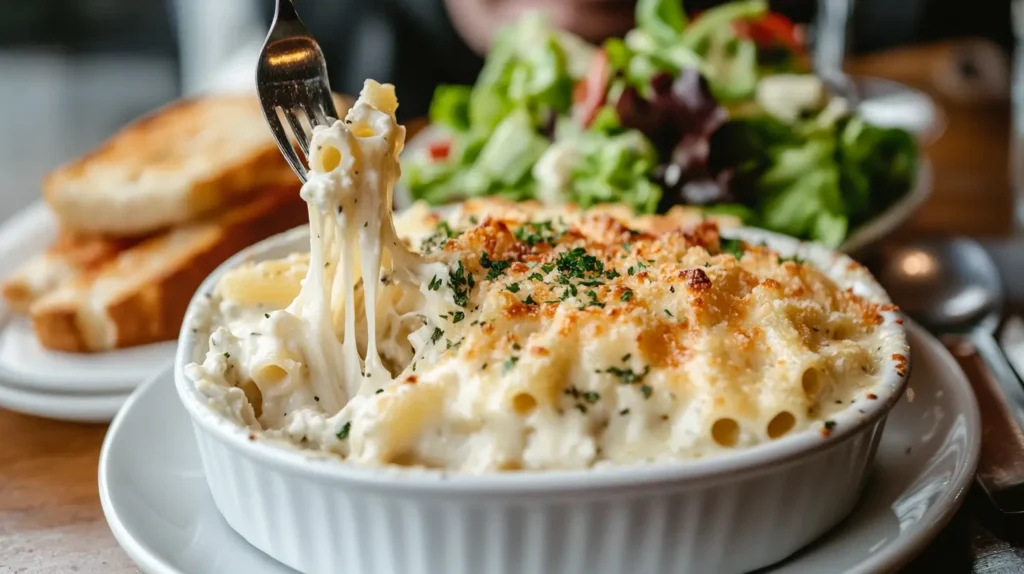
[286,10]
[1001,465]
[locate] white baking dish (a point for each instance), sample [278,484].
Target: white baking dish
[731,513]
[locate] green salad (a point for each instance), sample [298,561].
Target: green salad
[717,110]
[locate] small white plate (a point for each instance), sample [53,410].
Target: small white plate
[86,408]
[863,236]
[26,364]
[155,498]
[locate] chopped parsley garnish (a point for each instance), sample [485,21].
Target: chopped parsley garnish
[591,396]
[460,283]
[343,433]
[510,363]
[529,300]
[671,288]
[626,357]
[535,232]
[379,391]
[442,233]
[624,412]
[581,408]
[646,390]
[626,295]
[443,227]
[458,316]
[513,287]
[227,355]
[628,376]
[267,315]
[436,336]
[612,274]
[829,425]
[593,299]
[547,267]
[495,267]
[669,313]
[733,247]
[577,263]
[515,346]
[434,284]
[794,259]
[535,277]
[631,271]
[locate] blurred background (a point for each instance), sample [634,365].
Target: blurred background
[73,71]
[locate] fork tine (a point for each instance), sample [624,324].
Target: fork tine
[284,144]
[297,127]
[321,97]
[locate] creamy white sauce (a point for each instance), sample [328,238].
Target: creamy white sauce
[336,370]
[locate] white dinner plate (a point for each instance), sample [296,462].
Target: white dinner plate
[155,498]
[86,408]
[867,234]
[26,364]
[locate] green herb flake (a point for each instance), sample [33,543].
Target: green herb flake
[547,267]
[458,316]
[460,283]
[733,247]
[513,287]
[626,295]
[510,363]
[529,300]
[535,232]
[646,390]
[343,433]
[535,277]
[495,267]
[628,376]
[436,336]
[434,284]
[591,397]
[227,355]
[829,425]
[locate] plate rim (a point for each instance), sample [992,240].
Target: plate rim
[893,556]
[83,408]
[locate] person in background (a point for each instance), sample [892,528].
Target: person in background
[418,44]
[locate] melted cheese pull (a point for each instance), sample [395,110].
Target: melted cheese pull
[354,167]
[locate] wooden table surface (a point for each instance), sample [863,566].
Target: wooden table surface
[50,516]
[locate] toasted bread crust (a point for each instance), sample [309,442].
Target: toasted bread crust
[176,165]
[71,255]
[155,280]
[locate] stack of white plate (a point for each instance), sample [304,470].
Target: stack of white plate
[66,386]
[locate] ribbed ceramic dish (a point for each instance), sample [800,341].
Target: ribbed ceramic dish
[731,513]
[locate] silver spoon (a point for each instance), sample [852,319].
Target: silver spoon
[953,287]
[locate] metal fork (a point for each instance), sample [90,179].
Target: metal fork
[291,80]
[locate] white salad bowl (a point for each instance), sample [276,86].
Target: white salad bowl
[729,513]
[867,234]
